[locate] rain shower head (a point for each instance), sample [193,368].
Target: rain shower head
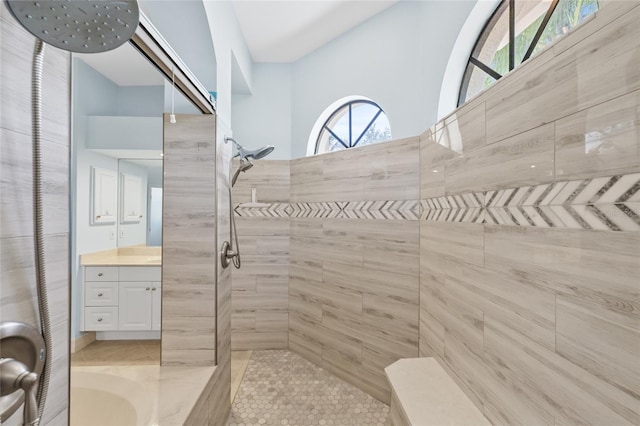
[83,26]
[255,154]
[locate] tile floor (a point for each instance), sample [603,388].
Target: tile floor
[239,363]
[282,388]
[118,352]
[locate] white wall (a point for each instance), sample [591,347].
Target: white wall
[264,118]
[229,45]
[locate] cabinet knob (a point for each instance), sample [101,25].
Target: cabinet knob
[100,274]
[148,288]
[99,319]
[99,294]
[153,289]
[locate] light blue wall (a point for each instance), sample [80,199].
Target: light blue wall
[264,118]
[141,101]
[437,40]
[397,58]
[185,26]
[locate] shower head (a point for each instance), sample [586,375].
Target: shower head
[83,26]
[242,167]
[255,154]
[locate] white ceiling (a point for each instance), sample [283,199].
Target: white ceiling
[286,30]
[125,66]
[275,31]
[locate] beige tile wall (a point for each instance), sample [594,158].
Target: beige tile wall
[353,282]
[214,404]
[534,323]
[259,301]
[540,325]
[17,274]
[189,250]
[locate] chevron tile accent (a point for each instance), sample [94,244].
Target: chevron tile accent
[264,210]
[607,203]
[454,208]
[389,210]
[324,210]
[398,210]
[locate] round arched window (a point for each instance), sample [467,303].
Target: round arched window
[517,30]
[354,123]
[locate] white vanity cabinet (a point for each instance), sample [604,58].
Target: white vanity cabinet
[122,298]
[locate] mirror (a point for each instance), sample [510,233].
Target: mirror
[139,202]
[118,101]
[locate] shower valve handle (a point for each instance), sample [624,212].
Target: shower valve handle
[14,375]
[226,254]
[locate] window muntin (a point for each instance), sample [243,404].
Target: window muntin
[517,30]
[355,123]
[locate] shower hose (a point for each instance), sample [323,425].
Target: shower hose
[38,243]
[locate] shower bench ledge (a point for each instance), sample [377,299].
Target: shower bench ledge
[423,394]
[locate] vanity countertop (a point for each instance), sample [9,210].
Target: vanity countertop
[159,395]
[125,256]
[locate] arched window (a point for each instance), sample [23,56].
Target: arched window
[354,122]
[517,30]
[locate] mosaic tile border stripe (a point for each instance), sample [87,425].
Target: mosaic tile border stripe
[606,203]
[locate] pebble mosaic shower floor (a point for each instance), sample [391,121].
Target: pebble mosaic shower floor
[282,388]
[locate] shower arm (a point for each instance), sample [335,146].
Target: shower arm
[239,148]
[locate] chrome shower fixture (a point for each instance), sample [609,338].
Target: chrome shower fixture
[246,154]
[230,251]
[83,26]
[242,167]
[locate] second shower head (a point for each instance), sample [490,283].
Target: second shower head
[242,167]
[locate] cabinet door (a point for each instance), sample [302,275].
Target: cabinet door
[135,306]
[156,306]
[104,196]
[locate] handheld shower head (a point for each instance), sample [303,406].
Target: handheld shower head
[255,154]
[242,167]
[84,26]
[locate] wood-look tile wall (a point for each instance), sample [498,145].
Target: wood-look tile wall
[259,301]
[214,404]
[17,274]
[189,246]
[353,282]
[540,325]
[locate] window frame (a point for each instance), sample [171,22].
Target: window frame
[339,110]
[473,62]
